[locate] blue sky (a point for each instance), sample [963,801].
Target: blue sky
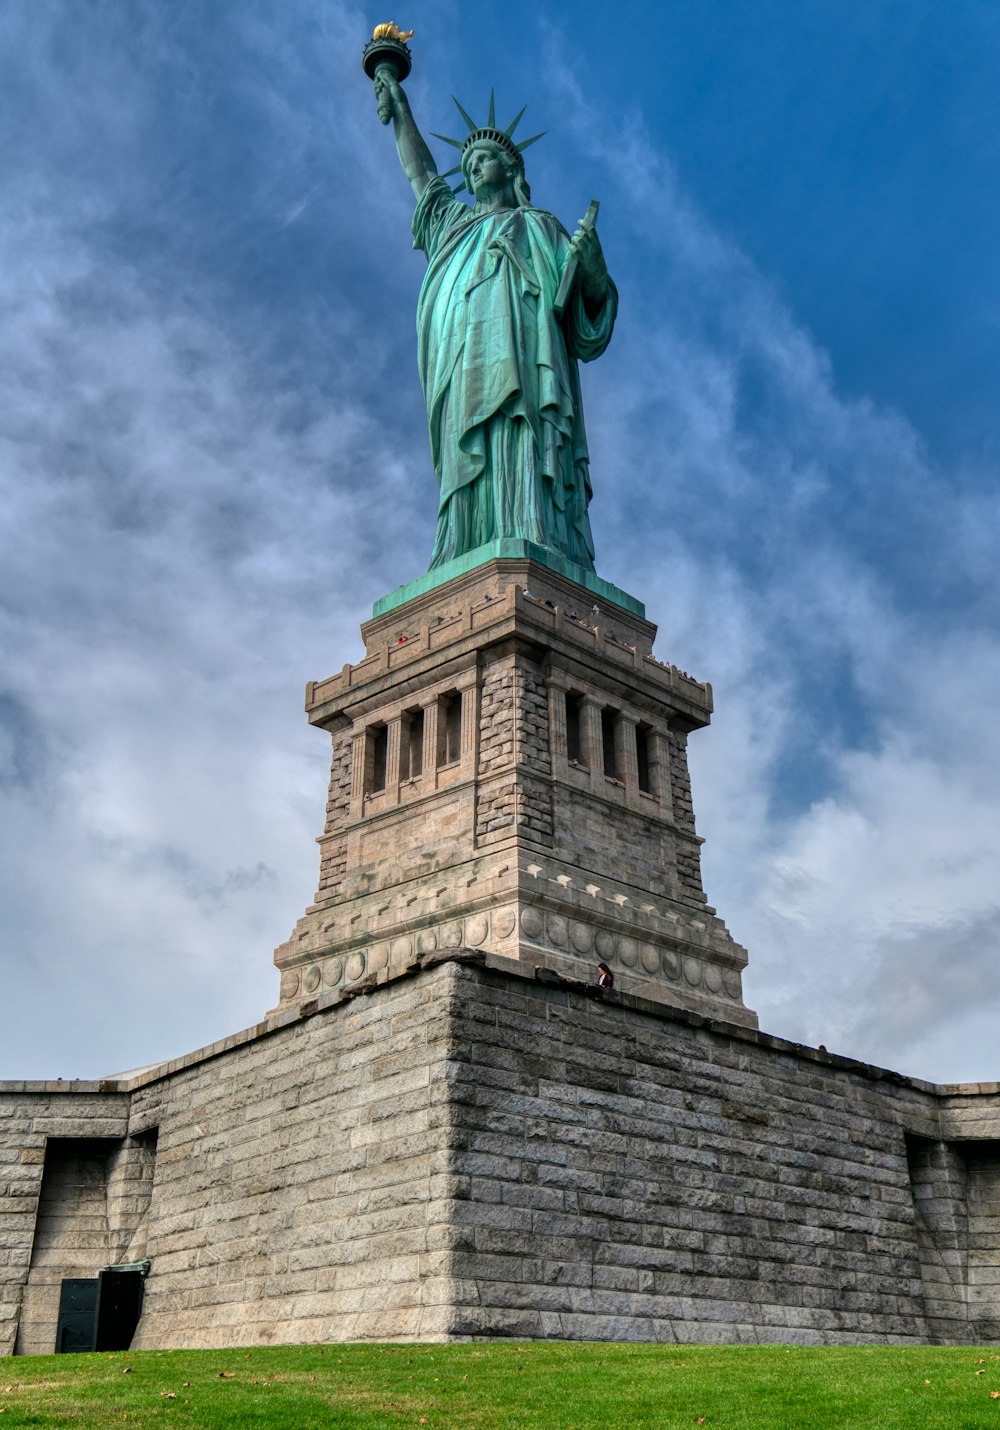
[213,460]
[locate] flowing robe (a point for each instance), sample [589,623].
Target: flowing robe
[500,379]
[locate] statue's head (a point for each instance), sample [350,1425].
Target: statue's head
[494,142]
[501,141]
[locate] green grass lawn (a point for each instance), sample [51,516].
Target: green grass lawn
[496,1384]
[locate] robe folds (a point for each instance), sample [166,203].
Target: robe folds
[500,378]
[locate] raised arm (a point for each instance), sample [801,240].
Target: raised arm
[414,155]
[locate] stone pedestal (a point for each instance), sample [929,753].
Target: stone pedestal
[509,774]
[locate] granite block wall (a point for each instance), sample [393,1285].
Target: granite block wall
[32,1118]
[301,1188]
[333,846]
[638,1177]
[92,1206]
[466,1150]
[626,1174]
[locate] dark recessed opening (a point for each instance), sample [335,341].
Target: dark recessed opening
[574,745]
[379,738]
[642,758]
[608,741]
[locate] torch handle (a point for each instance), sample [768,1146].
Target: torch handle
[385,104]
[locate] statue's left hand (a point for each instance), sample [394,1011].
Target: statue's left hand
[586,248]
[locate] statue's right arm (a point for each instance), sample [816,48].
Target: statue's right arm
[414,155]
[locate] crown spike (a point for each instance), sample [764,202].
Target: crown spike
[489,131]
[473,126]
[515,121]
[456,170]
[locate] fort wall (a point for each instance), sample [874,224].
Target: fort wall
[473,1149]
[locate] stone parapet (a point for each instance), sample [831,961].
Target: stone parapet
[414,638]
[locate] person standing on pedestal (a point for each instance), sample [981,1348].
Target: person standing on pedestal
[498,362]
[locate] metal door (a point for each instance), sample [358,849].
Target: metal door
[77,1324]
[119,1305]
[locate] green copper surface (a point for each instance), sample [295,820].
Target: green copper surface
[498,364]
[518,550]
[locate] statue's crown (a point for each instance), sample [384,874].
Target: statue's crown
[493,136]
[487,133]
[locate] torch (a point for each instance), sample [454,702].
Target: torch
[387,50]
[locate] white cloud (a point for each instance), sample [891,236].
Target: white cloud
[202,486]
[805,538]
[175,566]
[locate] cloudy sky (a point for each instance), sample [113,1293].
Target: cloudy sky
[213,460]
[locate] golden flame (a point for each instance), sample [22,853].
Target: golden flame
[391,31]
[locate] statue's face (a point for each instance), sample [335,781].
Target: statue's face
[487,171]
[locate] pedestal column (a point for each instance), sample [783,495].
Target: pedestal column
[626,756]
[591,735]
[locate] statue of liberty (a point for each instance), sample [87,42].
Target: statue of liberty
[498,342]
